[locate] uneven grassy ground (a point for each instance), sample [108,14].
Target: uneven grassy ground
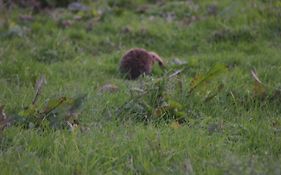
[233,133]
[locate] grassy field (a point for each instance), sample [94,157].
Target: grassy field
[232,122]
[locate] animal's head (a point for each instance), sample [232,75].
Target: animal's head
[157,58]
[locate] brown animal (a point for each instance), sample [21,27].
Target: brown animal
[139,61]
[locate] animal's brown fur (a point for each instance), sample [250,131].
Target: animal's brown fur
[138,61]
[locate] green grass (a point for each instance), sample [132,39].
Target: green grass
[233,133]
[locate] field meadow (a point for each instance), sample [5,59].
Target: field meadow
[214,109]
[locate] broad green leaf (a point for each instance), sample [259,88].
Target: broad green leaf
[175,125]
[212,73]
[175,105]
[31,110]
[53,104]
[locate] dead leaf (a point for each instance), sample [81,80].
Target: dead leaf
[188,170]
[214,127]
[77,103]
[109,88]
[71,126]
[27,18]
[170,17]
[76,6]
[17,31]
[255,76]
[276,95]
[177,61]
[212,9]
[38,87]
[4,120]
[77,17]
[126,30]
[2,113]
[73,114]
[66,23]
[142,9]
[186,21]
[177,72]
[259,88]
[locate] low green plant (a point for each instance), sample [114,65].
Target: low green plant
[154,103]
[52,113]
[151,104]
